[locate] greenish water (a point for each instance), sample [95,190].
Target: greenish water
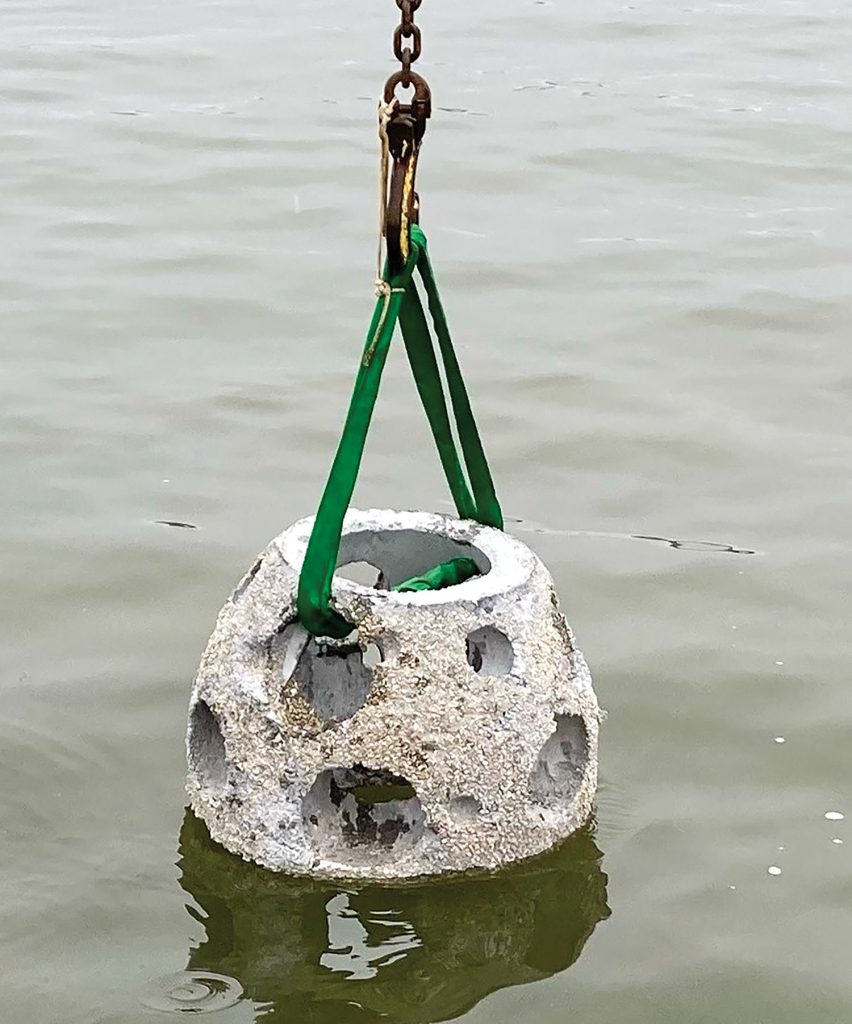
[641,219]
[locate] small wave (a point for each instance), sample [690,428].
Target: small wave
[192,992]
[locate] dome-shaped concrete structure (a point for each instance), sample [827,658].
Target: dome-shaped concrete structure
[455,729]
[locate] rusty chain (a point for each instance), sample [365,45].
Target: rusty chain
[407,30]
[407,48]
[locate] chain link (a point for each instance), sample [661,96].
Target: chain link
[407,30]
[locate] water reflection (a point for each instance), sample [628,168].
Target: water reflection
[313,951]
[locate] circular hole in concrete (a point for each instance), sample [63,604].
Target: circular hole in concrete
[367,808]
[561,765]
[334,677]
[404,554]
[364,573]
[372,656]
[490,652]
[207,746]
[465,808]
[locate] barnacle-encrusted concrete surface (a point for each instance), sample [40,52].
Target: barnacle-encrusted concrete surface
[469,741]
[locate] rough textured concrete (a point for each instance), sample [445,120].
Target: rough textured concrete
[468,737]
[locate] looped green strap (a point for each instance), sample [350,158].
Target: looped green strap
[401,303]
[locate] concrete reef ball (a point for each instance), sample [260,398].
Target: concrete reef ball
[454,729]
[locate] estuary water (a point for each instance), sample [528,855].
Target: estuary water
[640,215]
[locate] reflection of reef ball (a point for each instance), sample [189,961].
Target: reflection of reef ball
[413,953]
[454,729]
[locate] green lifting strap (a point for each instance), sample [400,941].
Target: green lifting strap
[399,303]
[447,574]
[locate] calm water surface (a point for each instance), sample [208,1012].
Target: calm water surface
[641,219]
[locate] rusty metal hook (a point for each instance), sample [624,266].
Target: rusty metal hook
[405,131]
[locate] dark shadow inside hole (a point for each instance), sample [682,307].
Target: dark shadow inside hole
[363,807]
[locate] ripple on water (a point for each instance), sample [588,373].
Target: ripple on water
[192,992]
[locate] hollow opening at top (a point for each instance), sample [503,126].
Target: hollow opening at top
[400,555]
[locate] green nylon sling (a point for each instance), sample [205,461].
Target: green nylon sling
[401,305]
[447,574]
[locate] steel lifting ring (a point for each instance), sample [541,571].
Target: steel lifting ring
[421,106]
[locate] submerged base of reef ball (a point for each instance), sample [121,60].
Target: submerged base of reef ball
[454,729]
[407,952]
